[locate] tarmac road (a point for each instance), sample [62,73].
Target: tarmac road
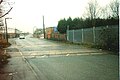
[85,67]
[40,59]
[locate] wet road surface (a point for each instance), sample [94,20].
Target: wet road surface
[40,59]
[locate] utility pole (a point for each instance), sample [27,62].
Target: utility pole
[43,27]
[6,35]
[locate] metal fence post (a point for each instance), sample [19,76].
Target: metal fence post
[68,33]
[73,36]
[82,36]
[94,34]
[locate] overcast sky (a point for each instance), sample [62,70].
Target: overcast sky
[27,14]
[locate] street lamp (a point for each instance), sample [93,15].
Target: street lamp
[6,34]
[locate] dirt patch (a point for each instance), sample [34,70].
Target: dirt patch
[12,50]
[5,75]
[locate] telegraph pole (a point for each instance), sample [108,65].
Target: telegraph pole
[43,27]
[6,34]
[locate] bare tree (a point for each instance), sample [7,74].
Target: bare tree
[1,1]
[4,12]
[114,6]
[1,20]
[105,12]
[93,10]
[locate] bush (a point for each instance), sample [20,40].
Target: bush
[109,40]
[3,57]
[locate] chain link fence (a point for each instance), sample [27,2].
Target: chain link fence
[104,36]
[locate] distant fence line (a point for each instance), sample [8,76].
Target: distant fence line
[104,37]
[90,35]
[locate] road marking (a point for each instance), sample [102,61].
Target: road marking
[23,57]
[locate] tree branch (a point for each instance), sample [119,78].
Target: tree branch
[6,12]
[1,1]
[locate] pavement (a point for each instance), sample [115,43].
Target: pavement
[16,69]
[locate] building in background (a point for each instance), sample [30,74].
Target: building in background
[52,33]
[13,33]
